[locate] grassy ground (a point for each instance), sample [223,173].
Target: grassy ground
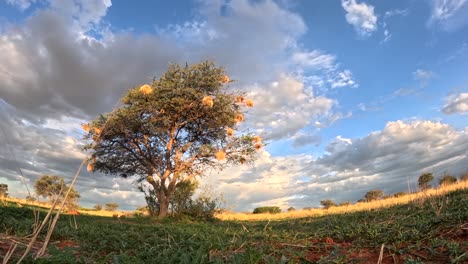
[428,230]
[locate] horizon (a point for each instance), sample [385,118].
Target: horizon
[350,95]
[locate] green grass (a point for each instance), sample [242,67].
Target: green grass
[421,232]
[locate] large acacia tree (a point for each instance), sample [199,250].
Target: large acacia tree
[172,130]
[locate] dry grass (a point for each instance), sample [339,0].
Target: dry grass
[366,206]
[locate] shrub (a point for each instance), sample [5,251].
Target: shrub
[374,195]
[399,194]
[447,180]
[345,203]
[327,203]
[291,209]
[267,209]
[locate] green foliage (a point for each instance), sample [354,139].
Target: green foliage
[424,180]
[267,209]
[3,190]
[182,199]
[373,195]
[170,133]
[447,180]
[111,206]
[327,203]
[54,188]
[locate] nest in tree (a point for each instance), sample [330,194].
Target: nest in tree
[208,101]
[230,131]
[249,103]
[220,155]
[146,89]
[225,79]
[85,127]
[258,146]
[239,117]
[257,139]
[239,99]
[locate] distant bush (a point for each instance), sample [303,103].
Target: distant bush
[399,194]
[447,180]
[291,209]
[327,203]
[267,209]
[374,195]
[464,177]
[98,207]
[347,203]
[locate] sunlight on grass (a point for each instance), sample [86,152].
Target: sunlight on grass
[365,206]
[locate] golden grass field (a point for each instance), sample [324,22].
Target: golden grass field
[365,206]
[315,212]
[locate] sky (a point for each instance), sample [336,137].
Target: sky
[351,95]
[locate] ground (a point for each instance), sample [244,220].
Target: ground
[434,230]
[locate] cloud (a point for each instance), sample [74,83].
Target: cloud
[449,14]
[456,104]
[391,159]
[361,16]
[423,76]
[21,4]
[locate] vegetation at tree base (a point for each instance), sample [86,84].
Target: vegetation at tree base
[267,209]
[447,179]
[172,130]
[424,180]
[327,203]
[3,190]
[98,207]
[111,206]
[374,195]
[413,233]
[54,188]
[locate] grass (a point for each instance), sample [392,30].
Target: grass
[429,229]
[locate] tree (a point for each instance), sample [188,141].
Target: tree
[447,180]
[98,207]
[327,203]
[291,209]
[424,180]
[182,198]
[54,188]
[172,130]
[111,206]
[3,190]
[373,195]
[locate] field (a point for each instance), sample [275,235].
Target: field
[427,230]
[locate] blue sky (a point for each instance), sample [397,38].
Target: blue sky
[351,95]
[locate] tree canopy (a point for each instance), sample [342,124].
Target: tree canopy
[53,188]
[172,130]
[373,195]
[424,180]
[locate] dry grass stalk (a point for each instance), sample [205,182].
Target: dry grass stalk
[208,101]
[146,89]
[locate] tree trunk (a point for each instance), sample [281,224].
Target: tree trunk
[163,207]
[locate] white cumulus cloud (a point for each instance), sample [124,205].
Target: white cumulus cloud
[361,16]
[456,104]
